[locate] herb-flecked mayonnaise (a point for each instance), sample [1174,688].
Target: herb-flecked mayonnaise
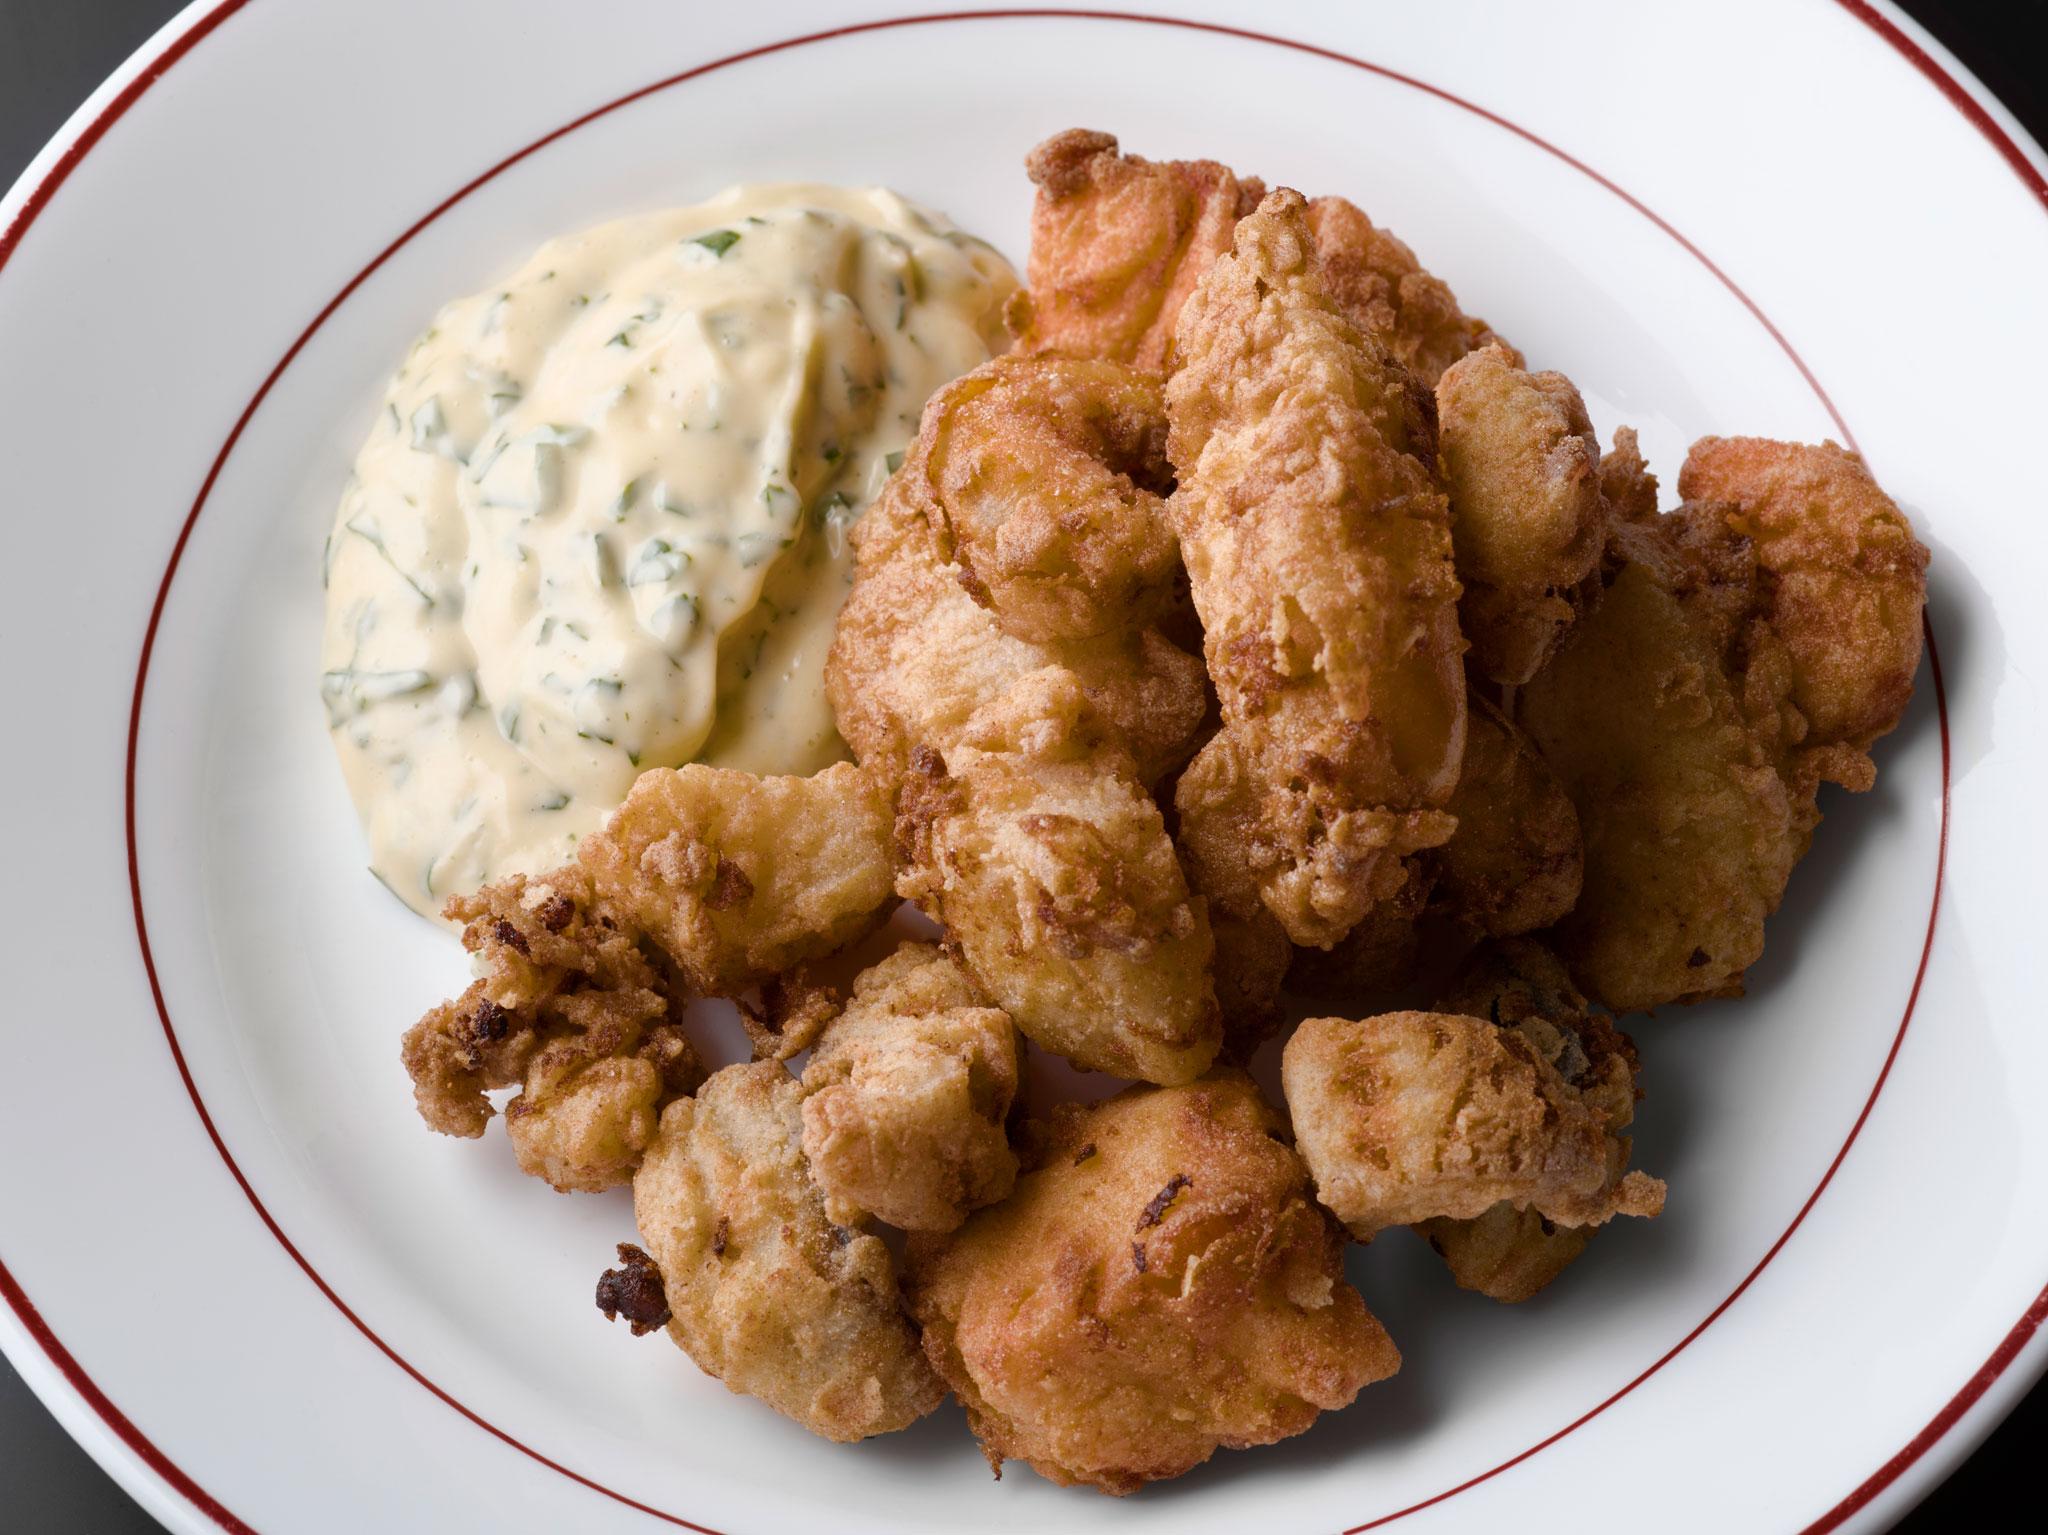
[600,522]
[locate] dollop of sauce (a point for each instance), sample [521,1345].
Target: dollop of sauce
[600,523]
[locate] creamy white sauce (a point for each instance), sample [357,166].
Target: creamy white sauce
[599,524]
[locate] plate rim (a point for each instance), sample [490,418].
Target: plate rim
[149,1475]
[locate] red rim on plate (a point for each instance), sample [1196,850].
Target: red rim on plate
[38,199]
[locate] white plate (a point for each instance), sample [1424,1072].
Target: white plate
[265,1298]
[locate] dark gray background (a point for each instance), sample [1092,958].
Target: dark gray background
[53,52]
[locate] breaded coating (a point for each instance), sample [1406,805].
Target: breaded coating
[1043,479]
[1159,1286]
[1383,290]
[1318,545]
[789,1011]
[913,656]
[1507,1253]
[766,1292]
[567,1007]
[1528,524]
[1515,863]
[1845,584]
[1034,843]
[740,877]
[907,1095]
[1117,244]
[1250,968]
[1411,1116]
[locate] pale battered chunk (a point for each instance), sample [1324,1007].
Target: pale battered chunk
[1690,833]
[1159,1286]
[1383,290]
[907,1094]
[1845,585]
[1318,544]
[1410,1116]
[766,1292]
[568,1008]
[1033,842]
[914,656]
[1043,480]
[1522,468]
[1117,244]
[1509,1254]
[739,877]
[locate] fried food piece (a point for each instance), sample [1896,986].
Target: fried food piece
[1159,1286]
[1250,968]
[1515,863]
[1408,1117]
[1117,244]
[1690,833]
[913,657]
[740,877]
[1527,520]
[1383,290]
[766,1292]
[1318,545]
[1845,584]
[789,1011]
[1507,1253]
[1043,479]
[1033,842]
[907,1094]
[567,1007]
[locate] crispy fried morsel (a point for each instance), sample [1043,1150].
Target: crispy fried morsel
[1159,1286]
[1515,863]
[789,1013]
[633,1291]
[767,1294]
[1627,488]
[1043,480]
[913,657]
[739,877]
[1117,243]
[1506,1254]
[1844,584]
[568,1007]
[1510,1254]
[1690,834]
[1250,968]
[1521,465]
[907,1094]
[1036,847]
[1383,290]
[1410,1116]
[1380,956]
[1318,543]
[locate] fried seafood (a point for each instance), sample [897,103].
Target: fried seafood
[739,877]
[1033,842]
[569,1009]
[766,1291]
[1159,1286]
[1843,582]
[1508,1253]
[907,1094]
[1117,244]
[1521,465]
[1043,479]
[1410,1117]
[913,657]
[1318,544]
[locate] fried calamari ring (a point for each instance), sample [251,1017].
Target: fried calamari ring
[1318,544]
[765,1291]
[907,1095]
[1043,479]
[1159,1286]
[1033,842]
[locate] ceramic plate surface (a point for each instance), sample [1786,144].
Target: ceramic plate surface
[254,1287]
